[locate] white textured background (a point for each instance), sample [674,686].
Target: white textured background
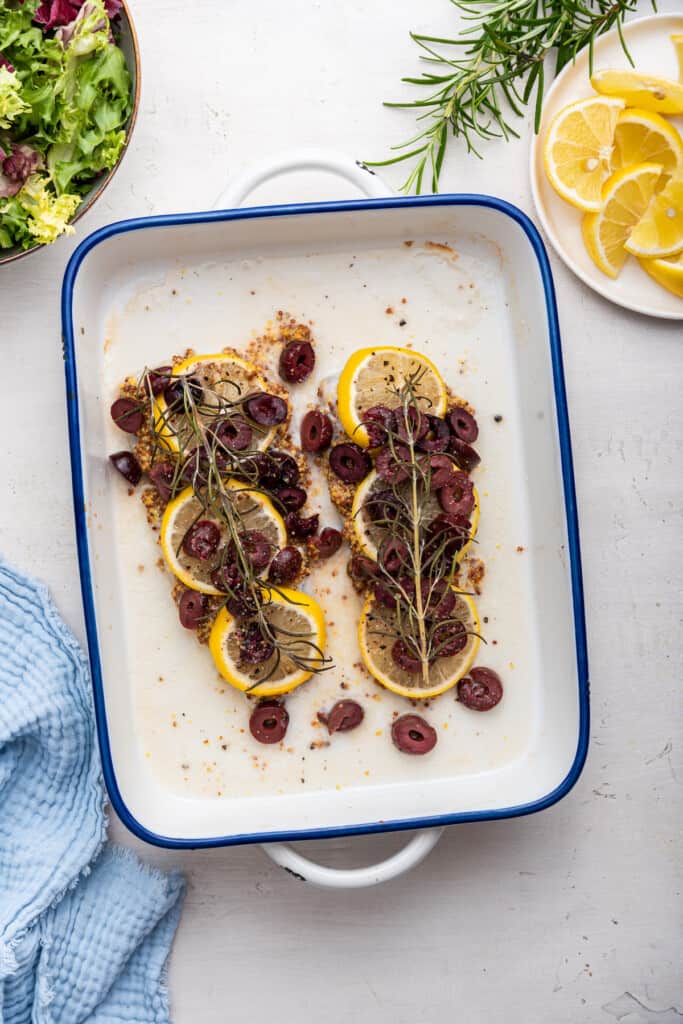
[571,916]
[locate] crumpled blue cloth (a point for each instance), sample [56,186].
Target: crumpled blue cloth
[85,932]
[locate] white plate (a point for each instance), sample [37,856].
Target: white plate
[649,45]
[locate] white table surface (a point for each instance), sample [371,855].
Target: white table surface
[569,916]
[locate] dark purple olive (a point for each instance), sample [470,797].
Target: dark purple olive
[449,638]
[438,599]
[385,597]
[255,648]
[241,603]
[447,534]
[481,690]
[412,735]
[194,467]
[286,566]
[362,569]
[277,469]
[162,475]
[378,421]
[202,540]
[436,437]
[256,546]
[235,434]
[127,415]
[382,507]
[344,716]
[266,410]
[393,555]
[316,431]
[228,578]
[393,467]
[405,656]
[292,498]
[174,393]
[458,497]
[350,462]
[301,527]
[411,424]
[158,379]
[127,465]
[463,425]
[268,722]
[465,456]
[328,543]
[192,608]
[442,471]
[297,360]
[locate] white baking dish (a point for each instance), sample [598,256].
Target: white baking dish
[138,291]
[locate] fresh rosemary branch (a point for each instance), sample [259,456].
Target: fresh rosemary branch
[477,83]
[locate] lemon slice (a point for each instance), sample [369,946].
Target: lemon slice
[626,196]
[660,231]
[644,137]
[372,376]
[254,511]
[298,623]
[677,40]
[225,377]
[370,536]
[377,631]
[647,92]
[667,272]
[578,150]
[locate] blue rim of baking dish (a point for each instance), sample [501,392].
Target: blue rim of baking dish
[248,213]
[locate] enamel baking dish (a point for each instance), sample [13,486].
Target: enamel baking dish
[464,278]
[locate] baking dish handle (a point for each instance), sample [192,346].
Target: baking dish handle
[367,182]
[412,854]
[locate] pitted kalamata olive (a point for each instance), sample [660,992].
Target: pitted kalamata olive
[162,475]
[297,360]
[378,420]
[442,471]
[301,527]
[449,638]
[127,465]
[174,392]
[292,498]
[464,454]
[350,462]
[202,540]
[385,597]
[277,469]
[463,425]
[481,690]
[458,497]
[192,608]
[405,656]
[234,434]
[286,566]
[316,431]
[159,378]
[392,468]
[268,722]
[393,555]
[381,507]
[266,410]
[328,543]
[256,546]
[241,602]
[127,415]
[194,467]
[228,578]
[436,437]
[362,569]
[438,598]
[255,648]
[412,735]
[411,424]
[344,716]
[447,534]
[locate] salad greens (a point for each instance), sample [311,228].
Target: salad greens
[65,100]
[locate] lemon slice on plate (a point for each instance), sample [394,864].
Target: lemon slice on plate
[255,512]
[662,95]
[578,150]
[369,536]
[660,230]
[377,631]
[225,377]
[299,625]
[644,137]
[667,272]
[626,196]
[372,376]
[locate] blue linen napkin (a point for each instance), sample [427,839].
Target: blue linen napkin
[85,932]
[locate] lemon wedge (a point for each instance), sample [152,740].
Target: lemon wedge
[373,376]
[255,512]
[625,197]
[662,95]
[644,137]
[578,150]
[377,631]
[667,272]
[660,230]
[298,623]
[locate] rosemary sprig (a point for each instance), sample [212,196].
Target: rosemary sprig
[494,69]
